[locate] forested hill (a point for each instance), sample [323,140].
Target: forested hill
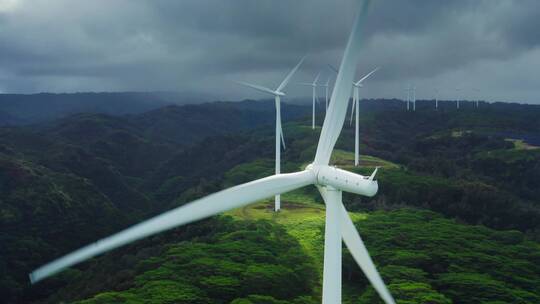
[70,181]
[20,109]
[58,177]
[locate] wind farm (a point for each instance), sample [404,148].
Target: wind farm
[197,153]
[330,182]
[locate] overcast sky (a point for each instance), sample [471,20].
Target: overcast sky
[202,46]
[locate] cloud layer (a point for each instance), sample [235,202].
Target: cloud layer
[204,45]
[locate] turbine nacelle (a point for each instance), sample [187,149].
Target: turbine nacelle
[277,93]
[345,180]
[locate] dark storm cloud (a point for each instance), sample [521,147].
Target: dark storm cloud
[204,45]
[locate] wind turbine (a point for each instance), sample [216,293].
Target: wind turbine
[355,106]
[477,102]
[279,130]
[330,181]
[436,99]
[414,98]
[457,98]
[408,89]
[314,86]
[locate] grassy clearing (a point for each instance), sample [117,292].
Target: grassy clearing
[303,210]
[303,218]
[519,144]
[511,155]
[298,129]
[456,134]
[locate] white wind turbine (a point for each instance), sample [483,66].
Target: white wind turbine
[313,86]
[408,89]
[414,98]
[355,109]
[279,130]
[477,95]
[330,181]
[436,99]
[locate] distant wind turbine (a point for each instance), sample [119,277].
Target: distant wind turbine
[313,86]
[355,109]
[457,97]
[436,99]
[330,181]
[279,130]
[414,98]
[477,95]
[408,89]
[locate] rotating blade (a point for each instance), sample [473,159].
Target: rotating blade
[224,200]
[288,77]
[281,135]
[352,106]
[316,79]
[335,117]
[256,87]
[356,246]
[366,77]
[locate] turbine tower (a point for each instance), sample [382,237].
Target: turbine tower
[457,98]
[408,89]
[314,86]
[477,101]
[414,98]
[355,109]
[436,99]
[330,181]
[279,130]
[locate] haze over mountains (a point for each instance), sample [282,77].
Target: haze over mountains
[31,108]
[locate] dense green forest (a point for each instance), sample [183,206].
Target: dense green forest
[456,219]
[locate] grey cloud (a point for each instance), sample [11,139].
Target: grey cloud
[141,45]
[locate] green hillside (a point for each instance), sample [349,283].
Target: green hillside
[424,257]
[456,218]
[261,257]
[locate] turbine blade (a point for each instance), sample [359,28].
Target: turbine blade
[333,122]
[288,77]
[333,68]
[281,135]
[327,81]
[366,77]
[372,176]
[316,79]
[227,199]
[306,84]
[256,87]
[331,289]
[356,246]
[352,109]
